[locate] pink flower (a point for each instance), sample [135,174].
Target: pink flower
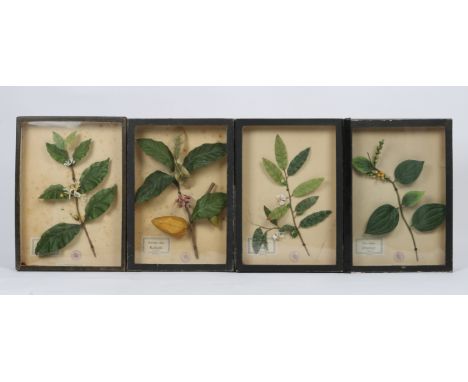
[183,200]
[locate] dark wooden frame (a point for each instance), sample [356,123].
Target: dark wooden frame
[446,124]
[338,124]
[131,265]
[19,123]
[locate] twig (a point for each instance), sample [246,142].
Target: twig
[191,226]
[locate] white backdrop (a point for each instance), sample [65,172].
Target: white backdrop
[234,102]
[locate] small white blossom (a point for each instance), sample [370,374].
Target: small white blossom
[72,191]
[282,199]
[275,236]
[69,162]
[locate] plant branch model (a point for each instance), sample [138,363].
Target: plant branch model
[69,152]
[386,217]
[280,173]
[210,206]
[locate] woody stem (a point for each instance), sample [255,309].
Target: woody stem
[191,226]
[80,219]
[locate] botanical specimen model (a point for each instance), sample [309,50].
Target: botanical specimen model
[209,206]
[385,218]
[69,152]
[280,173]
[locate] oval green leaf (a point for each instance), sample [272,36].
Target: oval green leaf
[278,213]
[203,155]
[362,165]
[209,205]
[298,161]
[281,153]
[428,217]
[82,150]
[267,213]
[100,203]
[93,176]
[305,204]
[307,187]
[383,220]
[54,192]
[257,240]
[153,186]
[59,155]
[275,173]
[314,219]
[56,237]
[58,140]
[71,140]
[411,198]
[408,171]
[158,151]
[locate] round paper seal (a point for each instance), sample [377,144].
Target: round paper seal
[75,255]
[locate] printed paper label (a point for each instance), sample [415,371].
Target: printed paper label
[369,247]
[156,245]
[271,244]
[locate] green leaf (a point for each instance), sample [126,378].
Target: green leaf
[314,219]
[362,165]
[281,153]
[100,203]
[278,212]
[56,237]
[71,140]
[305,204]
[408,171]
[307,187]
[275,173]
[257,240]
[298,162]
[93,175]
[158,151]
[54,192]
[153,186]
[428,217]
[203,155]
[59,155]
[265,240]
[288,228]
[81,151]
[411,198]
[383,220]
[267,213]
[58,140]
[209,205]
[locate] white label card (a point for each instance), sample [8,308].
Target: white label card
[156,245]
[374,247]
[271,244]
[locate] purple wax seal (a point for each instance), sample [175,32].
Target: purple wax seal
[185,257]
[294,256]
[399,256]
[75,255]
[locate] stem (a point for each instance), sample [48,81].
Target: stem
[80,219]
[190,225]
[400,206]
[293,216]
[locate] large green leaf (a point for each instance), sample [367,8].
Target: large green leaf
[56,237]
[58,154]
[314,219]
[278,212]
[203,155]
[71,140]
[209,205]
[305,204]
[298,161]
[257,240]
[54,192]
[288,228]
[93,176]
[100,203]
[58,140]
[307,187]
[362,165]
[267,214]
[153,186]
[273,170]
[158,151]
[411,198]
[408,171]
[428,217]
[281,153]
[383,220]
[82,150]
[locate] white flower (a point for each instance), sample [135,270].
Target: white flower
[275,236]
[72,190]
[281,199]
[69,162]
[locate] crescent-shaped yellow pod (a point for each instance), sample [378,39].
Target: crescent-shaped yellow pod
[172,225]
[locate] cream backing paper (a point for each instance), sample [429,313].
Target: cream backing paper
[427,145]
[211,240]
[259,190]
[39,170]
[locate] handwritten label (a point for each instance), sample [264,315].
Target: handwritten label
[271,244]
[372,247]
[156,245]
